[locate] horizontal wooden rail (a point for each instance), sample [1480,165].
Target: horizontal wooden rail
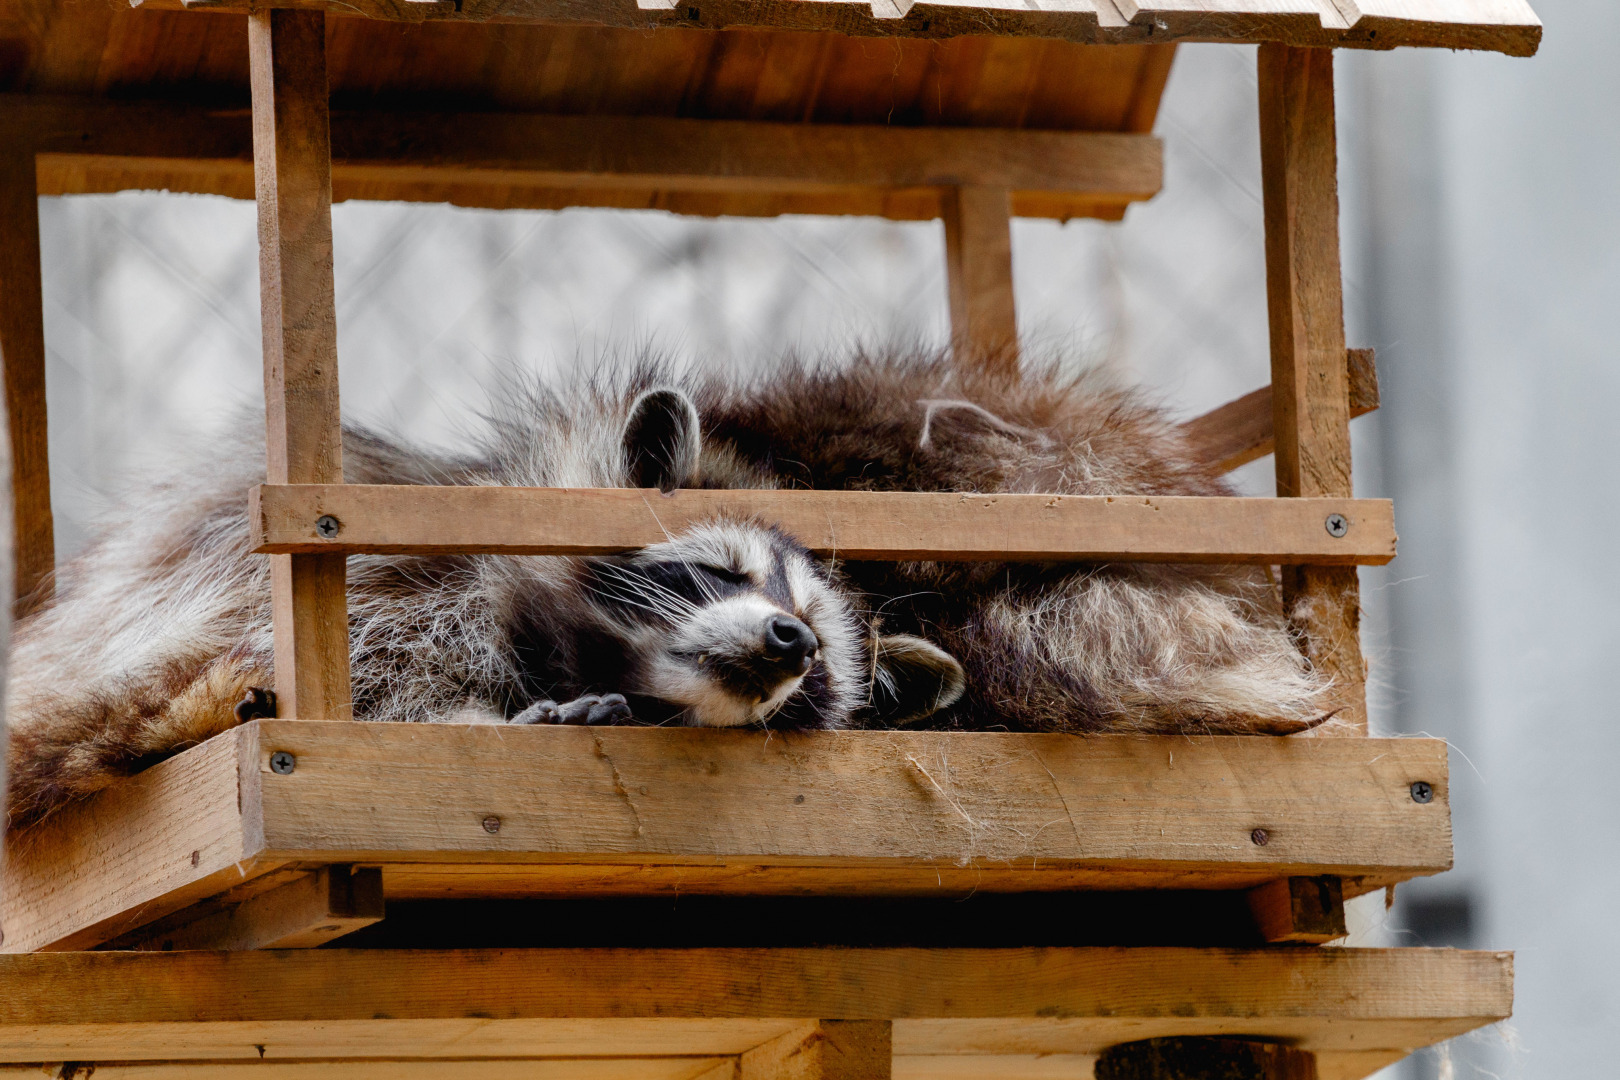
[844,524]
[664,811]
[88,143]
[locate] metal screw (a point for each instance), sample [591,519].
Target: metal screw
[492,824]
[1337,524]
[327,526]
[1260,837]
[1422,791]
[283,763]
[798,799]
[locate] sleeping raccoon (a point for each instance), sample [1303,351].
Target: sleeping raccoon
[159,634]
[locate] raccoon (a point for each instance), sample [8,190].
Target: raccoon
[159,634]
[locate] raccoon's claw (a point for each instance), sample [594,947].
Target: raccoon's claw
[259,704]
[594,709]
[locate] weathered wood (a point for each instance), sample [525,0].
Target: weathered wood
[1205,1059]
[824,1050]
[847,524]
[1310,393]
[1240,431]
[292,172]
[585,1068]
[308,911]
[22,356]
[334,1003]
[383,154]
[1299,909]
[979,277]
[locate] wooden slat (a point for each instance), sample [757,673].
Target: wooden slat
[306,912]
[979,277]
[1508,26]
[1240,431]
[1311,400]
[334,1003]
[597,1068]
[617,811]
[847,524]
[22,356]
[823,1050]
[729,163]
[292,172]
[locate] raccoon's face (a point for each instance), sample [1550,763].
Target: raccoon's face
[733,623]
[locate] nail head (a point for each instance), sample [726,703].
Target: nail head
[1260,837]
[492,824]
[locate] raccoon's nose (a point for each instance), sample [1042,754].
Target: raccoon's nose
[790,643]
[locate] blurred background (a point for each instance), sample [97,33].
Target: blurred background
[1481,239]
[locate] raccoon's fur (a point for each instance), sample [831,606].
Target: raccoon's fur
[159,634]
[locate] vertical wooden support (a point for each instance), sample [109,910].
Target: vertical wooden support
[978,271]
[292,169]
[22,353]
[1310,392]
[1205,1059]
[824,1050]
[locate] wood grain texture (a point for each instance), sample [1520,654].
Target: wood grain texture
[1299,909]
[1310,387]
[979,277]
[601,1068]
[845,524]
[1241,430]
[22,358]
[823,1050]
[722,164]
[334,1003]
[293,179]
[310,910]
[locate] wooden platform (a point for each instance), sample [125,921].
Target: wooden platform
[494,811]
[689,1013]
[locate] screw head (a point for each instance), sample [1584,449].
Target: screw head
[1337,524]
[492,824]
[283,763]
[1260,837]
[327,526]
[1422,791]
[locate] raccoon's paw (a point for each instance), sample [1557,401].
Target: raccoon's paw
[590,709]
[257,704]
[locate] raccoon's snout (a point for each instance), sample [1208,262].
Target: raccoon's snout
[790,644]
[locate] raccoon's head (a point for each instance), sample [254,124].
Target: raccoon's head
[732,623]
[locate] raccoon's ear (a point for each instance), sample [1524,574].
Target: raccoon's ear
[912,679]
[661,440]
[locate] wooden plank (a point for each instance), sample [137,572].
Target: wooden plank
[293,175]
[823,1050]
[383,154]
[1507,26]
[1299,909]
[979,278]
[1311,401]
[601,1068]
[335,1003]
[22,356]
[1241,430]
[847,524]
[307,912]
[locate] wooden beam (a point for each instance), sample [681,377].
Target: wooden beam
[498,1003]
[1311,400]
[1205,1059]
[578,1068]
[848,524]
[1299,909]
[686,811]
[824,1050]
[979,278]
[1240,431]
[292,170]
[726,165]
[22,355]
[307,912]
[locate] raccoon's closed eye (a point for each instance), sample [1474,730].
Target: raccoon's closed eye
[725,574]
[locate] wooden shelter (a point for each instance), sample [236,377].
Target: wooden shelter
[1140,888]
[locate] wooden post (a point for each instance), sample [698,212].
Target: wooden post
[1205,1059]
[1310,392]
[22,352]
[292,167]
[1307,910]
[978,271]
[824,1050]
